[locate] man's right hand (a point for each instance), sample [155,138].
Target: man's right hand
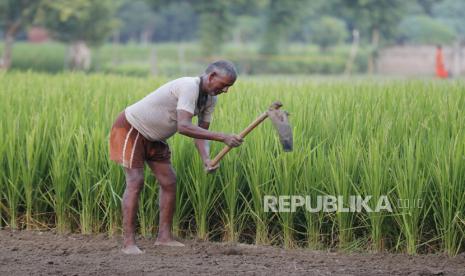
[233,140]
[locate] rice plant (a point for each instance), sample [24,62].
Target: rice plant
[233,208]
[403,139]
[33,162]
[202,194]
[257,170]
[61,189]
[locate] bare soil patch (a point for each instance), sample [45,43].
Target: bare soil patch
[46,253]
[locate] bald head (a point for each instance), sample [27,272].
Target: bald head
[224,68]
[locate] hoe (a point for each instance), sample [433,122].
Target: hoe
[281,123]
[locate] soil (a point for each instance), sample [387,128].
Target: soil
[46,253]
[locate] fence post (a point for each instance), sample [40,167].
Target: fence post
[153,61]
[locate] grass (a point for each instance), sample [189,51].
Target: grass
[404,139]
[174,59]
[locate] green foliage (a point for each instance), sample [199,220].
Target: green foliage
[91,21]
[176,22]
[425,30]
[269,22]
[373,16]
[452,13]
[328,31]
[280,16]
[428,5]
[215,21]
[20,11]
[48,57]
[14,16]
[246,28]
[134,60]
[135,17]
[312,11]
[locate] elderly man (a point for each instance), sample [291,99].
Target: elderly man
[140,132]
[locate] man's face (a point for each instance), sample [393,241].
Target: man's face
[218,84]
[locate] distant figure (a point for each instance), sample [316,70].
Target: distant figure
[79,56]
[441,71]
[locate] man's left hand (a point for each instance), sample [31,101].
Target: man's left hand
[208,168]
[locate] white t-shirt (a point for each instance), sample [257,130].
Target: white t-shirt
[155,115]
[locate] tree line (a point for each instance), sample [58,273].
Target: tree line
[269,23]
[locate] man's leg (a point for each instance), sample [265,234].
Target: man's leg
[134,184]
[166,176]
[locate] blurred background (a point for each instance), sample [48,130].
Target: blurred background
[262,37]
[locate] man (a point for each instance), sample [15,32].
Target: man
[140,132]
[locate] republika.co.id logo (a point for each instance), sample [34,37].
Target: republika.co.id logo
[326,203]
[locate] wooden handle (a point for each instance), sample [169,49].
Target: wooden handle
[254,124]
[244,133]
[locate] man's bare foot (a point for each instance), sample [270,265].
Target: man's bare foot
[169,243]
[132,250]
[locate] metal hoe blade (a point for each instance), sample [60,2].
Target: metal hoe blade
[281,123]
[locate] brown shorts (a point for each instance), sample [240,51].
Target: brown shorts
[130,149]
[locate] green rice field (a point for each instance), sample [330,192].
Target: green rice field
[404,139]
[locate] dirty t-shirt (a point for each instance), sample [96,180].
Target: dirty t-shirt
[155,115]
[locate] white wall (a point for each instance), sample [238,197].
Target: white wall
[419,60]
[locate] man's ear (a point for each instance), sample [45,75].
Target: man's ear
[211,75]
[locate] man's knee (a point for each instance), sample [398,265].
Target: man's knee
[134,180]
[168,182]
[165,175]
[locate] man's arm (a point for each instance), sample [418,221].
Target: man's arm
[203,147]
[185,127]
[202,135]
